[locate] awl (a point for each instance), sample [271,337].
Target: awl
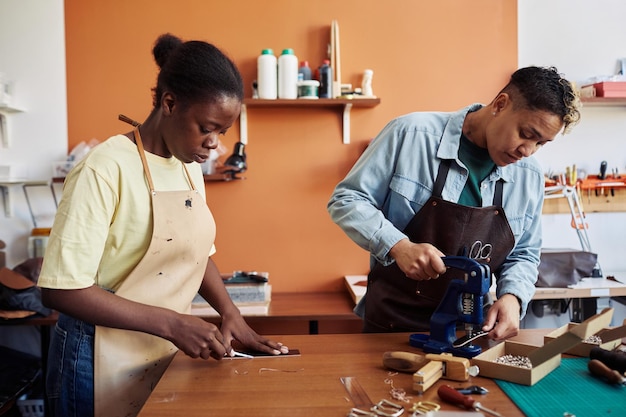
[452,396]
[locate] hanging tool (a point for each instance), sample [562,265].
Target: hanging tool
[600,370]
[603,166]
[462,302]
[452,396]
[578,218]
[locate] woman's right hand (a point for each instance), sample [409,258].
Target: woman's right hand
[198,338]
[418,261]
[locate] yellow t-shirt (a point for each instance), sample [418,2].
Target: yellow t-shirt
[103,225]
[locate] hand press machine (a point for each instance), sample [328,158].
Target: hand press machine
[462,302]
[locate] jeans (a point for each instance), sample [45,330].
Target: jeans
[69,380]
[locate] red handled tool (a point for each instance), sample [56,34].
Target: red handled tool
[452,396]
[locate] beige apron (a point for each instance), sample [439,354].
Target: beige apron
[128,364]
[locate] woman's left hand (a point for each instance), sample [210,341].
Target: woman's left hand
[503,318]
[234,327]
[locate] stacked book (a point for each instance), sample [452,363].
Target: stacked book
[356,285]
[250,291]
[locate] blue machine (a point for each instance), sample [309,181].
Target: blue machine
[462,302]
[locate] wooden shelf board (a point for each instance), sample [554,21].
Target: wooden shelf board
[346,104]
[322,102]
[604,202]
[604,101]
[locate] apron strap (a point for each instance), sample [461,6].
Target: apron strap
[442,174]
[144,161]
[497,196]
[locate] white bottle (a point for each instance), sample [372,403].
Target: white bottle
[366,84]
[288,75]
[267,75]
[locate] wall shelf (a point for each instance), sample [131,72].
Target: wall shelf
[345,104]
[5,132]
[604,101]
[5,190]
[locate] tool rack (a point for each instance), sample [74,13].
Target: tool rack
[580,225]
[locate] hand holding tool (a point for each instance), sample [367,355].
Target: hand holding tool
[462,302]
[611,376]
[452,396]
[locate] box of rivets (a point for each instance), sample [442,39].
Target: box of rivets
[526,364]
[607,339]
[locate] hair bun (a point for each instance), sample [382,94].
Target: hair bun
[163,48]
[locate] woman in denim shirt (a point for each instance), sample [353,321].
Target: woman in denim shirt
[436,184]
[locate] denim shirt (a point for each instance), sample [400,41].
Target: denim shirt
[395,176]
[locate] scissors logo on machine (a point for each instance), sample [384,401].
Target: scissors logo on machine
[481,251]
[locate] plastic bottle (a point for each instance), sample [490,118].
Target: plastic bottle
[287,74]
[267,75]
[304,71]
[326,80]
[366,84]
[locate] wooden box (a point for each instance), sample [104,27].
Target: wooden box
[544,359]
[584,348]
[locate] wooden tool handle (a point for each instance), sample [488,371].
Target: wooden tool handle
[613,359]
[455,368]
[403,361]
[598,368]
[452,396]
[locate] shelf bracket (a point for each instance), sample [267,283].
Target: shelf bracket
[243,125]
[346,122]
[6,198]
[5,112]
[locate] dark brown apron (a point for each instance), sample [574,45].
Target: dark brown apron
[396,303]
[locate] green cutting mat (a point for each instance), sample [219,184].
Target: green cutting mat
[569,388]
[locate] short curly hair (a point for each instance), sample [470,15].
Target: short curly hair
[544,88]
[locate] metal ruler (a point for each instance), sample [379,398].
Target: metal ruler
[356,392]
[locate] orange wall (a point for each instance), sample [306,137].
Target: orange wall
[426,55]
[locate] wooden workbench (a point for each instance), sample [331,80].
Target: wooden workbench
[306,385]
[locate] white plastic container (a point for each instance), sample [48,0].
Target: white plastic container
[288,75]
[267,80]
[366,84]
[308,89]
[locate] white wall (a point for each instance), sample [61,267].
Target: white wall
[583,39]
[32,54]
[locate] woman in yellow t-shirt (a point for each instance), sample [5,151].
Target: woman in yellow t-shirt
[132,242]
